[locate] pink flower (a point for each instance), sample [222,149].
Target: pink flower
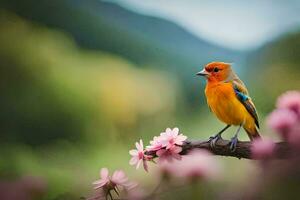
[167,168]
[290,100]
[107,183]
[197,164]
[104,179]
[167,145]
[138,156]
[170,138]
[282,120]
[294,136]
[155,144]
[169,154]
[262,149]
[167,139]
[119,178]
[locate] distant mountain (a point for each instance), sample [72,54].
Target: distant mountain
[144,40]
[275,67]
[284,49]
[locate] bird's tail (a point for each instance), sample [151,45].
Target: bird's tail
[253,133]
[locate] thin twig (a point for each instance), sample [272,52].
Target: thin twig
[222,148]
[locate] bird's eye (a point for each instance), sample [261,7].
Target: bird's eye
[216,69]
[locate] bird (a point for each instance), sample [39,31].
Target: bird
[228,98]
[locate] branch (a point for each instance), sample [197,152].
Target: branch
[222,148]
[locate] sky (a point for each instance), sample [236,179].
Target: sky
[241,25]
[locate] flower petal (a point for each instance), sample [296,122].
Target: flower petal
[133,161]
[138,164]
[99,183]
[175,131]
[137,145]
[180,138]
[104,173]
[119,177]
[141,145]
[176,150]
[168,131]
[133,152]
[160,152]
[176,156]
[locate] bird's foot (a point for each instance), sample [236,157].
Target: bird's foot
[213,140]
[233,143]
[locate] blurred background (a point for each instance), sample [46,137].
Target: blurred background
[82,80]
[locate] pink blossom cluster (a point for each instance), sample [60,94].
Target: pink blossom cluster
[118,181]
[166,146]
[198,164]
[285,119]
[262,149]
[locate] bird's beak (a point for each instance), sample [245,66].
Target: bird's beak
[202,73]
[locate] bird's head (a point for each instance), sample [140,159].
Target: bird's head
[216,71]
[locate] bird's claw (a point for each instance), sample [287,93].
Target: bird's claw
[233,143]
[213,140]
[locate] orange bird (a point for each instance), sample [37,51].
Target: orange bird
[228,98]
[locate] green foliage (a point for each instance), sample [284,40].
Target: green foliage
[56,90]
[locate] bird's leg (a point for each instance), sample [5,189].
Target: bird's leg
[215,138]
[234,139]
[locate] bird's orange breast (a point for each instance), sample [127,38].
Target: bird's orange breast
[223,103]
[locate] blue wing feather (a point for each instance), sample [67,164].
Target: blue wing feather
[246,101]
